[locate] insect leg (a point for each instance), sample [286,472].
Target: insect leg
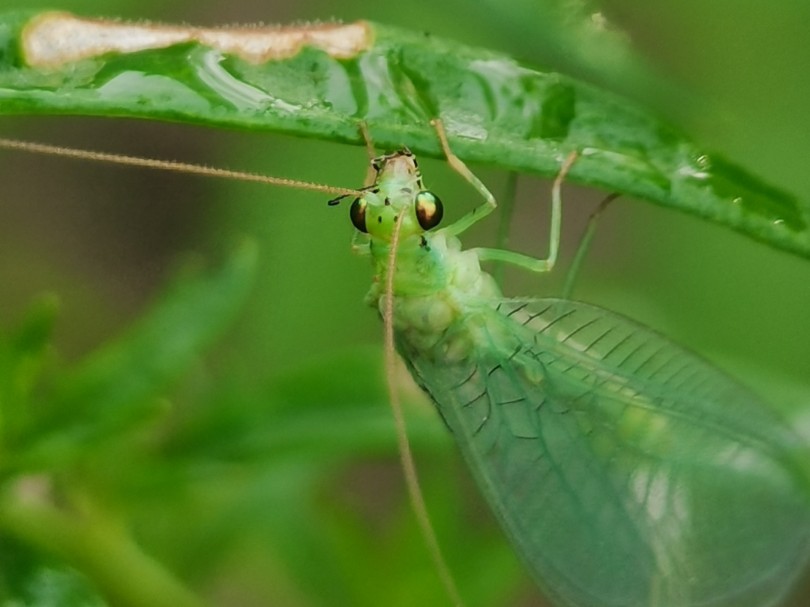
[505,220]
[584,244]
[360,243]
[372,153]
[371,171]
[527,262]
[459,167]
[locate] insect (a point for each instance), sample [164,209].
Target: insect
[625,470]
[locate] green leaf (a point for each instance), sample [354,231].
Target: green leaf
[496,110]
[23,353]
[26,579]
[121,382]
[333,408]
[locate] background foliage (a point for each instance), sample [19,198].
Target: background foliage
[268,474]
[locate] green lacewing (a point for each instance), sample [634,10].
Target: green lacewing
[625,470]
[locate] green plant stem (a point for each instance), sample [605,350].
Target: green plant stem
[99,548]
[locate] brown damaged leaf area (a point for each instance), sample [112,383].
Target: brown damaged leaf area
[53,39]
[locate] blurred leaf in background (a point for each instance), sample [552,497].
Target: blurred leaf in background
[267,474]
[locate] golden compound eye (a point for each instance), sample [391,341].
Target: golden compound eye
[358,214]
[429,209]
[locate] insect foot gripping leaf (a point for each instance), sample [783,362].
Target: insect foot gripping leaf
[625,470]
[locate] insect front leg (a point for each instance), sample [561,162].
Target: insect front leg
[527,262]
[459,167]
[360,244]
[371,171]
[519,259]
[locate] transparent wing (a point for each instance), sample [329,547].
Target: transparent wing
[627,471]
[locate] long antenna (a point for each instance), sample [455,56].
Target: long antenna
[405,455]
[169,165]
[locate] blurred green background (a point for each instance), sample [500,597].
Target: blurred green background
[254,505]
